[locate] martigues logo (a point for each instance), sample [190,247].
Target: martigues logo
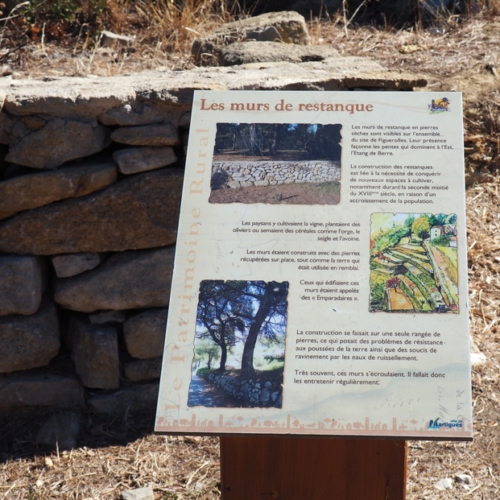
[436,424]
[439,105]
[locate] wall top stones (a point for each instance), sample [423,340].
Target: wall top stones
[105,98]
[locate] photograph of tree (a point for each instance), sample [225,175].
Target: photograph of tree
[413,263]
[295,163]
[239,347]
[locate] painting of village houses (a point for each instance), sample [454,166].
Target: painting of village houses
[413,263]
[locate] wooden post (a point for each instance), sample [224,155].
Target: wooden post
[296,468]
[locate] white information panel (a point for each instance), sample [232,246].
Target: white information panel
[320,279]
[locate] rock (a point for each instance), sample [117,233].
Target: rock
[477,358]
[145,334]
[169,94]
[264,34]
[134,160]
[60,431]
[463,479]
[29,390]
[290,26]
[164,134]
[94,350]
[142,113]
[110,39]
[103,317]
[127,280]
[143,369]
[444,484]
[22,281]
[136,212]
[137,398]
[253,52]
[29,341]
[138,494]
[76,263]
[59,141]
[35,190]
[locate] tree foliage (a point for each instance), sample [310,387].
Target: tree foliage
[308,141]
[421,227]
[241,311]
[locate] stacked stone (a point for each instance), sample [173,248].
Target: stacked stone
[89,205]
[269,173]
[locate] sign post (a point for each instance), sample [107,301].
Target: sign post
[320,289]
[323,469]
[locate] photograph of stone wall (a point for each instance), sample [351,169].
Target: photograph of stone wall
[295,163]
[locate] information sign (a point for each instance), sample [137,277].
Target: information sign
[320,279]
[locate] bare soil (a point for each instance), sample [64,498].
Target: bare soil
[307,193]
[119,454]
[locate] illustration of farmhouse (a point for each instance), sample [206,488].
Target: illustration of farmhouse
[413,263]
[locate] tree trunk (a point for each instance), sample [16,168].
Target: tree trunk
[247,369]
[223,357]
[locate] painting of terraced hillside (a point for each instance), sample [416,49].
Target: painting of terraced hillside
[413,263]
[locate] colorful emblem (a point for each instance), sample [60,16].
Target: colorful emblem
[439,105]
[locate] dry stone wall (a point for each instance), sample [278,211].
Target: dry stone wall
[91,174]
[269,173]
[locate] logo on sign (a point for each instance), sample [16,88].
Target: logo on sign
[439,105]
[436,424]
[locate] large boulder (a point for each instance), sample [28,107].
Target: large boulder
[59,141]
[137,212]
[22,280]
[127,280]
[255,52]
[287,27]
[30,390]
[29,341]
[30,191]
[94,350]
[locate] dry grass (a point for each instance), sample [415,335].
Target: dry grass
[119,455]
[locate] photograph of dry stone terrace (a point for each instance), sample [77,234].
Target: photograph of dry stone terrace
[295,163]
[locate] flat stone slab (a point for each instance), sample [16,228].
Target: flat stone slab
[69,265]
[164,134]
[29,390]
[137,212]
[36,190]
[134,160]
[288,27]
[142,96]
[255,52]
[28,342]
[22,281]
[58,141]
[127,280]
